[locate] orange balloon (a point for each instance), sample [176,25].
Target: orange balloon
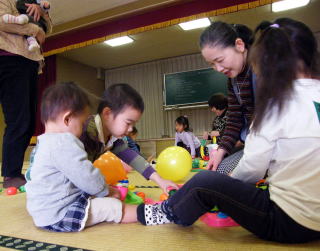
[111,167]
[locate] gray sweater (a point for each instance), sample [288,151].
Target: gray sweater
[59,174]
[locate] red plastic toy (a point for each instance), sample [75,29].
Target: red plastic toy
[11,191]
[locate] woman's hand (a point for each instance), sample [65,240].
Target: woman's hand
[163,183]
[34,10]
[216,156]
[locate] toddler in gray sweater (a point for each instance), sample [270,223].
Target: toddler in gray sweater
[65,192]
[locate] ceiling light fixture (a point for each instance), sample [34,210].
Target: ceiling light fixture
[288,4]
[195,24]
[119,41]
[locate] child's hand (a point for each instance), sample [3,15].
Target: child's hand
[45,4]
[114,193]
[163,183]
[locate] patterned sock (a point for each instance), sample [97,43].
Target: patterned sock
[154,215]
[10,19]
[33,44]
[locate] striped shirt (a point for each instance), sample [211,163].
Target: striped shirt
[238,112]
[94,148]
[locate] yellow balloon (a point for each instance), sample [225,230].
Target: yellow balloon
[174,163]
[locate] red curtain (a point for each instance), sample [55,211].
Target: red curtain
[47,78]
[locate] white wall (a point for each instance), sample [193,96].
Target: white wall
[147,78]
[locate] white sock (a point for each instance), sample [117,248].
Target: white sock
[10,19]
[154,215]
[32,44]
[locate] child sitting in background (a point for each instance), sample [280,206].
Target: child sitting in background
[120,108]
[23,8]
[185,138]
[65,192]
[131,139]
[218,104]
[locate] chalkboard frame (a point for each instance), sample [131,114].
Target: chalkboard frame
[183,105]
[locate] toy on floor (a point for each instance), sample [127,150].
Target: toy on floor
[122,187]
[14,190]
[218,219]
[199,164]
[11,191]
[174,163]
[111,167]
[133,199]
[205,149]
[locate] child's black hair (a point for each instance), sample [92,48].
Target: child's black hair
[218,101]
[63,97]
[119,96]
[183,120]
[283,48]
[225,35]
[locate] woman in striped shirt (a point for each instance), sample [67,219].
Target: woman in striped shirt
[225,47]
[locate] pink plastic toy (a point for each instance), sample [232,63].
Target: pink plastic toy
[218,220]
[123,191]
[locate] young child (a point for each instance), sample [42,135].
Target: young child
[286,61]
[120,108]
[131,139]
[65,193]
[23,18]
[218,104]
[185,138]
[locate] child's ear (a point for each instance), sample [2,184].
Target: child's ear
[66,117]
[240,45]
[106,112]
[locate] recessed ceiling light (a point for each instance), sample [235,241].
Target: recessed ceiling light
[195,24]
[288,4]
[119,41]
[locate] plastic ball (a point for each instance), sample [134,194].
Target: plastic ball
[11,190]
[163,197]
[174,163]
[22,189]
[111,167]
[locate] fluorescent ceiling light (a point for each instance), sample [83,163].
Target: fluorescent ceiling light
[195,24]
[119,41]
[288,4]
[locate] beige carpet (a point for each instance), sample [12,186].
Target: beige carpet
[15,222]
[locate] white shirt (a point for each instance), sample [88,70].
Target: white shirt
[288,148]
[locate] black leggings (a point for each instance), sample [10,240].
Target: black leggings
[249,206]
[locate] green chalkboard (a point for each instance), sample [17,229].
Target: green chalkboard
[192,87]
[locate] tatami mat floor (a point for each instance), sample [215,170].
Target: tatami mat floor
[15,222]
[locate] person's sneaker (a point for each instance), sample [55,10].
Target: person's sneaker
[154,215]
[14,182]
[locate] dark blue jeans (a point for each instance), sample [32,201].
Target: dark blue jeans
[249,206]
